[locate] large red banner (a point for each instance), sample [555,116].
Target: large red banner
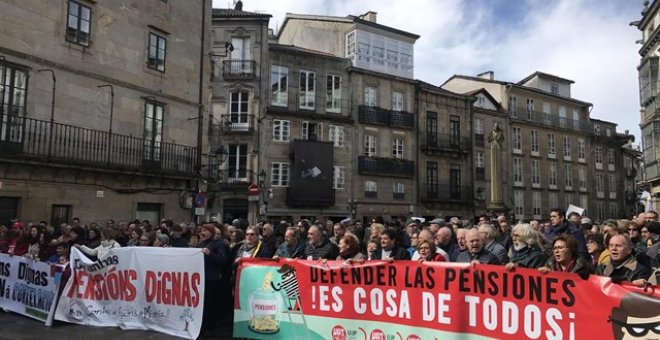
[482,300]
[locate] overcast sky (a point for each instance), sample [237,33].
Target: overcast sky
[587,41]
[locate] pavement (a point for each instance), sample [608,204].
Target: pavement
[18,327]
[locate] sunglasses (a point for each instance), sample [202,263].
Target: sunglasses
[638,329]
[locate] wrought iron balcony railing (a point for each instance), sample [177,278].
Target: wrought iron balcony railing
[39,140]
[392,167]
[238,69]
[443,142]
[435,192]
[237,123]
[379,116]
[550,119]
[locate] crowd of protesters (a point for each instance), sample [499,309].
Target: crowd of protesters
[624,250]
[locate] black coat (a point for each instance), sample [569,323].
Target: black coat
[217,263]
[398,253]
[628,270]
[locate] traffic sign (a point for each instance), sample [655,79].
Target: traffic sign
[200,199]
[253,190]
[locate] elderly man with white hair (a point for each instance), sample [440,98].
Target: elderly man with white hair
[526,250]
[489,235]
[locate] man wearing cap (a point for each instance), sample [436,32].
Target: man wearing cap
[436,224]
[586,225]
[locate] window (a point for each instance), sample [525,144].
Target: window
[530,109]
[13,95]
[552,151]
[397,101]
[581,150]
[478,126]
[534,137]
[614,210]
[562,116]
[60,213]
[238,111]
[517,140]
[536,174]
[78,23]
[553,200]
[584,203]
[370,98]
[350,43]
[547,118]
[398,191]
[601,210]
[370,189]
[597,129]
[455,181]
[554,89]
[153,130]
[242,52]
[536,204]
[610,159]
[582,178]
[598,155]
[479,165]
[157,50]
[608,132]
[552,175]
[281,130]
[333,92]
[568,176]
[432,179]
[279,174]
[431,128]
[517,172]
[612,186]
[312,131]
[307,90]
[370,145]
[397,148]
[519,203]
[568,199]
[237,162]
[339,175]
[600,186]
[454,132]
[336,135]
[279,85]
[567,148]
[513,102]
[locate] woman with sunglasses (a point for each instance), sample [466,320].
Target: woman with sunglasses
[565,258]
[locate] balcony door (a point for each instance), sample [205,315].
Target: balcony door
[240,56]
[432,179]
[238,111]
[237,163]
[13,93]
[431,129]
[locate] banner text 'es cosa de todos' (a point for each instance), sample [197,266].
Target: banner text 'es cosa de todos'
[412,300]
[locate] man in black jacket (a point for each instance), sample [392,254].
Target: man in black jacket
[622,265]
[319,246]
[389,248]
[561,226]
[217,292]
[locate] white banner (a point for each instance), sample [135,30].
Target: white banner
[29,287]
[160,289]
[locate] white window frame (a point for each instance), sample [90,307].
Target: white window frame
[582,178]
[519,203]
[479,159]
[370,96]
[478,126]
[567,148]
[614,209]
[581,148]
[536,204]
[281,93]
[339,174]
[597,129]
[553,200]
[398,188]
[530,109]
[598,157]
[568,177]
[307,96]
[534,142]
[370,145]
[336,135]
[552,175]
[600,186]
[305,135]
[612,186]
[552,146]
[611,159]
[370,186]
[333,93]
[397,101]
[513,103]
[536,173]
[554,89]
[517,141]
[518,171]
[279,174]
[281,130]
[562,116]
[397,148]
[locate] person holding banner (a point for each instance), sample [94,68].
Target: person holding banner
[561,226]
[476,252]
[526,250]
[108,242]
[217,289]
[566,259]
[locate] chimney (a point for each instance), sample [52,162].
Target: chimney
[490,75]
[239,5]
[369,16]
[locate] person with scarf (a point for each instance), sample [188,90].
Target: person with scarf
[623,266]
[566,258]
[526,250]
[253,246]
[107,243]
[349,249]
[33,241]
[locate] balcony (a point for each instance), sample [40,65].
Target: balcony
[237,123]
[378,116]
[42,141]
[238,69]
[235,180]
[553,120]
[434,192]
[433,144]
[388,167]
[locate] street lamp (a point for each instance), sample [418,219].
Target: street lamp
[52,110]
[112,105]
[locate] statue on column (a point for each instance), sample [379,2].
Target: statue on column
[495,138]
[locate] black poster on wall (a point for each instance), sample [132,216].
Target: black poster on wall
[312,175]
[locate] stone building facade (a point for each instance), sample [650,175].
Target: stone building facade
[100,109]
